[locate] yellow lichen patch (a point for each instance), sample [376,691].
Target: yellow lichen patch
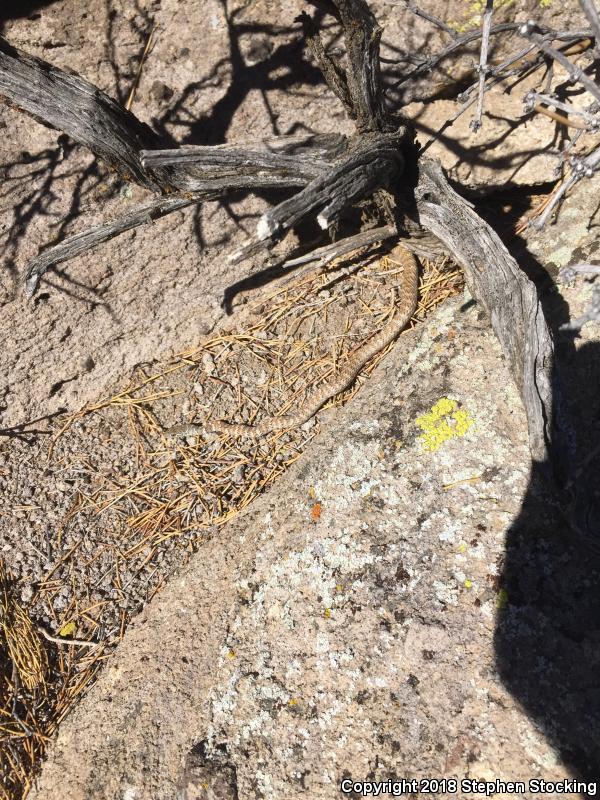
[468,584]
[444,421]
[474,11]
[327,613]
[68,629]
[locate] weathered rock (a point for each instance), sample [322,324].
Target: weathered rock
[308,643]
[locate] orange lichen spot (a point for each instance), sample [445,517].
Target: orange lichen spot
[315,512]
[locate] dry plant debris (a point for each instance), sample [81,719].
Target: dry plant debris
[159,497]
[38,685]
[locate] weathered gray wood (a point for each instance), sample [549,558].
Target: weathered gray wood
[375,162]
[358,85]
[517,317]
[328,253]
[506,293]
[323,147]
[231,166]
[334,75]
[86,240]
[71,104]
[362,35]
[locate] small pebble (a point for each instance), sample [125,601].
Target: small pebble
[208,363]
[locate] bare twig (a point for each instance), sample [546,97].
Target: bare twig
[138,75]
[591,12]
[570,123]
[472,36]
[419,12]
[591,314]
[577,75]
[330,252]
[482,69]
[581,168]
[453,47]
[532,98]
[63,641]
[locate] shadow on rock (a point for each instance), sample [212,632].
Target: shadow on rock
[547,638]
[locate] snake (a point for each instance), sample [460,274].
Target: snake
[403,312]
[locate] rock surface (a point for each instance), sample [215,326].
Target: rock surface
[344,627]
[386,609]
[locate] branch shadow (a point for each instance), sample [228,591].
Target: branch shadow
[269,64]
[41,175]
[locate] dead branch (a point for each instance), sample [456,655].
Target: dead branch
[71,104]
[482,69]
[233,166]
[530,31]
[419,12]
[374,163]
[508,296]
[325,255]
[331,174]
[591,12]
[460,42]
[335,77]
[86,240]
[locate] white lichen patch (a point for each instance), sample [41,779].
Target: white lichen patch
[446,593]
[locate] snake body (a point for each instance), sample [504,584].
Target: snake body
[404,311]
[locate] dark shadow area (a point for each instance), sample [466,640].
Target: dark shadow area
[547,639]
[19,9]
[272,61]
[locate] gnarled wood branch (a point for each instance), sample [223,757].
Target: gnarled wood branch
[332,174]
